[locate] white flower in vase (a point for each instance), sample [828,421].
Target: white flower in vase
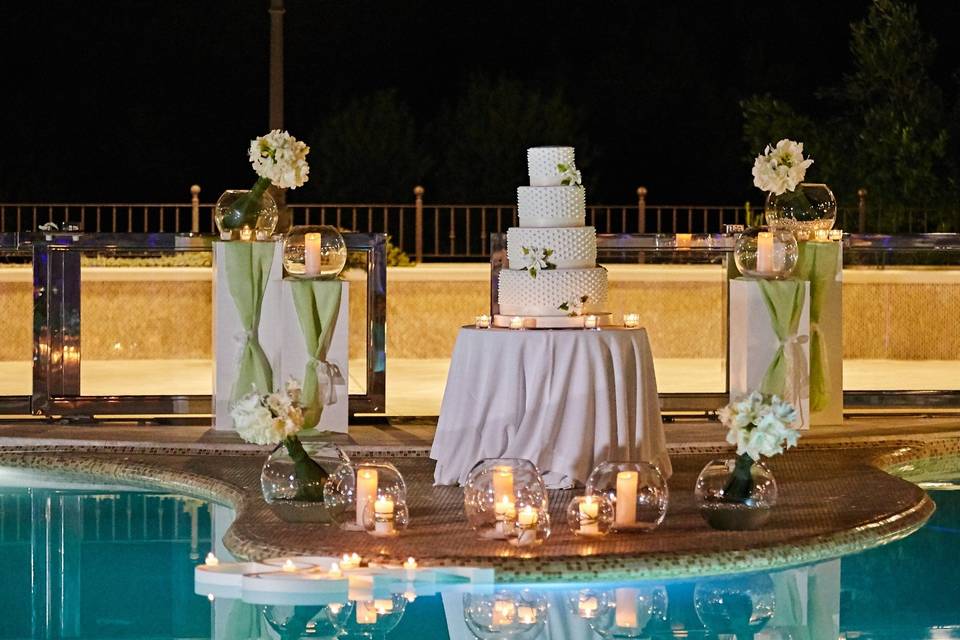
[760,427]
[781,168]
[281,159]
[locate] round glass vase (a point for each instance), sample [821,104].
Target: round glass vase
[497,490]
[633,612]
[637,491]
[736,493]
[809,207]
[311,252]
[740,606]
[767,253]
[241,214]
[590,516]
[367,616]
[355,490]
[505,614]
[292,486]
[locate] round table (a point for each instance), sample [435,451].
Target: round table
[565,399]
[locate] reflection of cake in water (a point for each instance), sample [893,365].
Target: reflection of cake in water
[552,256]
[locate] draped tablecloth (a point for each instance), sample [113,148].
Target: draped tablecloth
[564,399]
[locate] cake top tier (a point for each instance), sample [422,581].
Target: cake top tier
[551,167]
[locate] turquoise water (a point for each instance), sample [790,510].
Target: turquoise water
[81,561]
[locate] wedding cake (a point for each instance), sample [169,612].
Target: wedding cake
[552,257]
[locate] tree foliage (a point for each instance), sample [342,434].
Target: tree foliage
[888,128]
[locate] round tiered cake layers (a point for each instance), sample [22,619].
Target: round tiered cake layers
[551,206]
[557,292]
[542,164]
[570,248]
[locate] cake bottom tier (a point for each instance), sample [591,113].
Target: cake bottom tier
[559,292]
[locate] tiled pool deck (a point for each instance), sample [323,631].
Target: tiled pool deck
[834,497]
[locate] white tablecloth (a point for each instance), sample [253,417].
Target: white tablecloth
[565,399]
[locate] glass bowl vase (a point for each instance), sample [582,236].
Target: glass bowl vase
[240,214]
[729,504]
[637,491]
[809,207]
[770,254]
[314,252]
[288,492]
[355,490]
[496,492]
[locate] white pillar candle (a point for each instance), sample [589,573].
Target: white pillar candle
[626,512]
[516,322]
[589,511]
[366,491]
[765,252]
[626,607]
[631,320]
[312,253]
[502,484]
[383,517]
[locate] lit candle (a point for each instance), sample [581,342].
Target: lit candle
[482,322]
[312,253]
[528,517]
[631,320]
[411,568]
[836,234]
[211,597]
[590,322]
[383,517]
[589,510]
[765,252]
[246,234]
[263,235]
[366,490]
[626,608]
[335,572]
[502,483]
[503,612]
[821,235]
[366,612]
[288,566]
[587,607]
[382,606]
[409,595]
[211,560]
[516,322]
[527,615]
[683,240]
[506,513]
[626,512]
[226,234]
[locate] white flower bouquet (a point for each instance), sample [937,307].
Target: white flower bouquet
[277,418]
[781,168]
[759,426]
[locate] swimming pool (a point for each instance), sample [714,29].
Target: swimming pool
[83,560]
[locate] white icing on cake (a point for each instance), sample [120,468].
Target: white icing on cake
[572,248]
[521,295]
[542,164]
[551,206]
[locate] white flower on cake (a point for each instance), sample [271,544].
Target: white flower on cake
[569,176]
[759,425]
[269,419]
[537,260]
[780,169]
[280,158]
[574,308]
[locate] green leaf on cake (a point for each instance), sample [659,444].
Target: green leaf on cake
[533,272]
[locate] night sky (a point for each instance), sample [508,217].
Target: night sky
[133,101]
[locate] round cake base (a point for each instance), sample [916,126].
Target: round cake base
[554,322]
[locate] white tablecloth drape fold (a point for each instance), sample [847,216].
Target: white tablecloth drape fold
[564,399]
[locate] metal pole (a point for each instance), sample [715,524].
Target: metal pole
[276,97]
[418,217]
[862,209]
[195,207]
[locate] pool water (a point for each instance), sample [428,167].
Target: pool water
[88,561]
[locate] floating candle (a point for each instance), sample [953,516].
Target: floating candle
[528,517]
[288,566]
[366,612]
[626,512]
[335,572]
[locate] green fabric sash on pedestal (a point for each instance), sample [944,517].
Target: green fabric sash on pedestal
[318,305]
[248,267]
[786,376]
[818,265]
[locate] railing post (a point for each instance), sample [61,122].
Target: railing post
[642,209]
[418,223]
[195,208]
[862,209]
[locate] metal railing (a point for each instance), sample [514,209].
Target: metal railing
[442,231]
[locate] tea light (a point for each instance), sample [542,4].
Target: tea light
[288,566]
[411,567]
[503,612]
[226,234]
[590,322]
[587,607]
[516,322]
[527,522]
[382,606]
[631,320]
[246,234]
[211,560]
[683,240]
[589,512]
[263,235]
[836,234]
[765,252]
[351,561]
[527,615]
[506,513]
[312,253]
[821,235]
[383,517]
[482,322]
[335,572]
[366,491]
[626,511]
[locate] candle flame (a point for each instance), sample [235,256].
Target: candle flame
[289,566]
[211,560]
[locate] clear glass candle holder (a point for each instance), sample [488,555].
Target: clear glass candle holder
[633,611]
[354,490]
[241,215]
[590,516]
[386,516]
[314,252]
[766,253]
[532,526]
[637,490]
[587,604]
[495,492]
[366,615]
[505,614]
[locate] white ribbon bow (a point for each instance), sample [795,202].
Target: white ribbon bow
[328,376]
[797,382]
[241,339]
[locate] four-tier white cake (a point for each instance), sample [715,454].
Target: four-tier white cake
[552,256]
